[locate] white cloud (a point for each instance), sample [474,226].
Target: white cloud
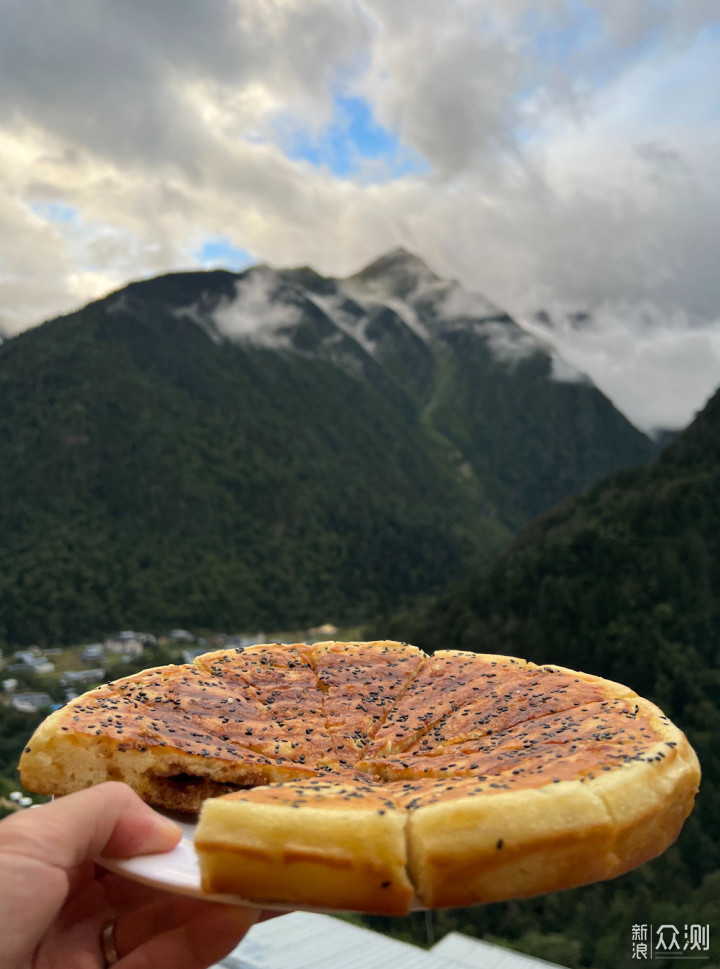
[447,86]
[572,157]
[662,366]
[253,316]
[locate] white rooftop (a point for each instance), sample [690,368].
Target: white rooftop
[305,940]
[476,954]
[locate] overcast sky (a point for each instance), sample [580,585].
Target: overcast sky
[556,155]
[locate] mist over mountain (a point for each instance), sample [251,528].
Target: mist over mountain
[272,447]
[658,362]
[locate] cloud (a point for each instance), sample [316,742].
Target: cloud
[254,317]
[661,366]
[114,78]
[561,155]
[445,84]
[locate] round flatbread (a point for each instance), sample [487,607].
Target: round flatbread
[371,777]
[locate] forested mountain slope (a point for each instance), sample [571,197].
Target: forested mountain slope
[270,448]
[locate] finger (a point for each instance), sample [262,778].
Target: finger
[79,876]
[124,894]
[133,929]
[87,901]
[196,944]
[267,914]
[109,819]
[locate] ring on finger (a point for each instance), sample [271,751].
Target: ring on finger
[107,941]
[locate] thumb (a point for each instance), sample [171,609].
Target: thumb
[108,819]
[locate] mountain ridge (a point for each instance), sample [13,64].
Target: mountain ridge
[274,446]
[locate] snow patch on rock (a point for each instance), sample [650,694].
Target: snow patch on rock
[337,307]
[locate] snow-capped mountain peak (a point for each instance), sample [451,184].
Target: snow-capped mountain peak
[392,306]
[397,274]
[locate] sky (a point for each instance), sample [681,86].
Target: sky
[559,155]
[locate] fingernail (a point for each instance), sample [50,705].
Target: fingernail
[167,830]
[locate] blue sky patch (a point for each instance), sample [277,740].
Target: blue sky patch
[219,251]
[582,28]
[353,139]
[58,212]
[580,43]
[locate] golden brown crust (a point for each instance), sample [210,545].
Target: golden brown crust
[335,844]
[508,836]
[361,683]
[176,734]
[375,770]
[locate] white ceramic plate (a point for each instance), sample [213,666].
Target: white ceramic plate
[175,871]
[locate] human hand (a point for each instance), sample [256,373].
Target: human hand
[55,902]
